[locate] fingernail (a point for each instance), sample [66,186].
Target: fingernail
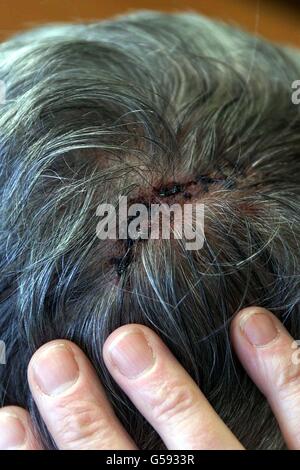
[12,432]
[131,354]
[258,328]
[55,369]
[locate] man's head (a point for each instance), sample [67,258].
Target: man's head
[157,108]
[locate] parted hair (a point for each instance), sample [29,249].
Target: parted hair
[133,106]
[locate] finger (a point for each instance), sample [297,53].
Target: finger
[16,431]
[72,401]
[163,391]
[271,358]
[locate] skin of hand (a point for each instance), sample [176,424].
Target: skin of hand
[78,415]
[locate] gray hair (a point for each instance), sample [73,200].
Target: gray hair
[127,107]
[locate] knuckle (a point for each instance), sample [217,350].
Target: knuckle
[288,381]
[172,401]
[81,423]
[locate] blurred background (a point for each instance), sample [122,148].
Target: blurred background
[277,20]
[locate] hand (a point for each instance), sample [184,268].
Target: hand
[78,415]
